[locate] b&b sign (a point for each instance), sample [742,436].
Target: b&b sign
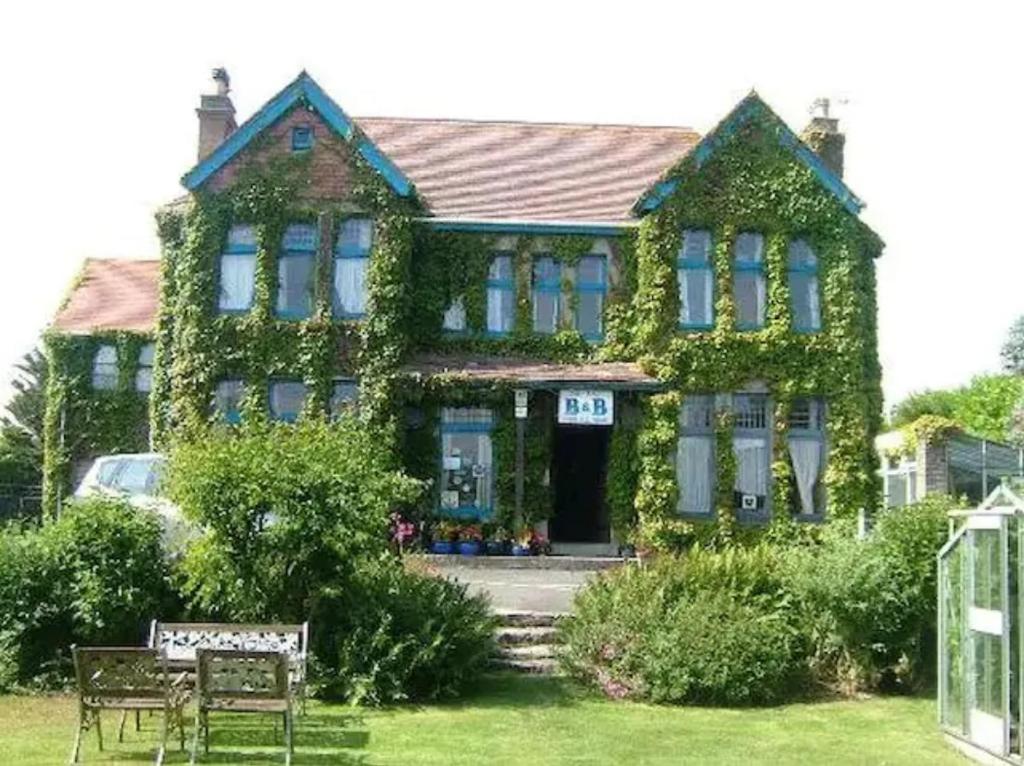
[585,408]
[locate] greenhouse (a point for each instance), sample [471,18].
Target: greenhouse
[981,690]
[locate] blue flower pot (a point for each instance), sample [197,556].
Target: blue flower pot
[521,550]
[497,548]
[469,548]
[442,546]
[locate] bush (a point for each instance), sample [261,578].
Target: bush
[95,576]
[706,627]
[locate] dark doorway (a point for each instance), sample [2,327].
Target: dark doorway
[578,469]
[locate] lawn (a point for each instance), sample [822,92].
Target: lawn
[517,720]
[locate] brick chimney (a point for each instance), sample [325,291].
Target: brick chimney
[823,136]
[216,114]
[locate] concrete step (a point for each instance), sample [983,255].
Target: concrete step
[545,667]
[527,652]
[525,636]
[519,619]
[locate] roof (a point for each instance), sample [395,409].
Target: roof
[528,372]
[112,294]
[528,171]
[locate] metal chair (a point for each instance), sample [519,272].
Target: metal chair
[237,681]
[126,679]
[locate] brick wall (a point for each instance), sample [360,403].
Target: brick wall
[932,468]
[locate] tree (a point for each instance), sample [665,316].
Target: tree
[1013,348]
[982,408]
[21,427]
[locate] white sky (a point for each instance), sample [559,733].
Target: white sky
[99,124]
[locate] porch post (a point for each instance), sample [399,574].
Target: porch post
[520,412]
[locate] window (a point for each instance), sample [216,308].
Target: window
[104,369]
[286,399]
[547,294]
[238,269]
[591,283]
[227,400]
[695,455]
[351,266]
[501,295]
[749,281]
[455,316]
[295,267]
[467,463]
[144,374]
[899,482]
[806,442]
[344,397]
[803,286]
[696,281]
[750,445]
[302,138]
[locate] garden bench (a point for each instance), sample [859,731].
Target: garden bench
[182,640]
[238,681]
[126,679]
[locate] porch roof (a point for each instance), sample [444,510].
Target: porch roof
[530,373]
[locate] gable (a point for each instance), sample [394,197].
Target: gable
[750,110]
[301,92]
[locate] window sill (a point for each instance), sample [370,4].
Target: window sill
[809,518]
[690,328]
[753,517]
[697,515]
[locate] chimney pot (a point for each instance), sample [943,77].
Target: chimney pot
[823,136]
[216,115]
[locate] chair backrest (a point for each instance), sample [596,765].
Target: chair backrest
[110,673]
[181,640]
[230,674]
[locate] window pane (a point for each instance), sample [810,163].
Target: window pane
[299,237]
[545,311]
[750,299]
[698,413]
[455,316]
[501,268]
[479,416]
[227,400]
[242,236]
[144,380]
[237,279]
[104,370]
[696,245]
[547,272]
[749,247]
[751,411]
[590,271]
[807,460]
[801,255]
[807,414]
[695,470]
[752,465]
[146,354]
[695,290]
[295,285]
[500,309]
[286,399]
[466,470]
[803,289]
[588,314]
[350,286]
[896,490]
[355,236]
[344,396]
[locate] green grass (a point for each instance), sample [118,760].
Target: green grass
[514,720]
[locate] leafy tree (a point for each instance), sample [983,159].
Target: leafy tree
[982,408]
[21,428]
[1013,348]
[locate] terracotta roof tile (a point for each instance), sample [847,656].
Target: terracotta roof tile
[526,371]
[112,294]
[529,171]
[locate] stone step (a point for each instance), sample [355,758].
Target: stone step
[545,667]
[520,619]
[517,636]
[527,652]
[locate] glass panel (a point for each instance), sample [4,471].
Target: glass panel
[350,286]
[749,247]
[590,271]
[547,272]
[299,237]
[355,237]
[803,290]
[144,380]
[242,236]
[344,396]
[750,491]
[987,574]
[545,311]
[138,476]
[237,281]
[696,246]
[146,354]
[295,285]
[479,416]
[286,399]
[801,255]
[588,314]
[749,288]
[751,411]
[695,472]
[227,400]
[697,413]
[455,316]
[104,369]
[500,309]
[501,268]
[952,622]
[695,291]
[895,490]
[467,460]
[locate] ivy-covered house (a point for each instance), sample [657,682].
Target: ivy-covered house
[586,328]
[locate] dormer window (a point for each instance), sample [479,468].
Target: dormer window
[302,138]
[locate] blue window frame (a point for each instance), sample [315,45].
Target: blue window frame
[807,454]
[237,278]
[227,400]
[695,455]
[749,284]
[501,294]
[591,286]
[751,445]
[351,268]
[302,138]
[467,462]
[804,295]
[696,279]
[547,294]
[287,398]
[296,266]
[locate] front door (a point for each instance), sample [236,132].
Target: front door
[578,469]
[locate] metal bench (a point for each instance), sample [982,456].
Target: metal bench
[182,640]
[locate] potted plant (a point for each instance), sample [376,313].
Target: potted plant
[445,533]
[469,540]
[499,542]
[539,545]
[522,545]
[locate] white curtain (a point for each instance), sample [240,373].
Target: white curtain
[806,456]
[237,276]
[695,296]
[762,298]
[751,465]
[455,316]
[483,483]
[693,473]
[350,284]
[813,302]
[499,310]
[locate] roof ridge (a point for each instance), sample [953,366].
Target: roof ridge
[538,123]
[119,259]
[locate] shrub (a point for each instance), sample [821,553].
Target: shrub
[95,576]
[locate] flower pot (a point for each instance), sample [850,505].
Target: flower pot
[521,550]
[496,548]
[469,548]
[442,546]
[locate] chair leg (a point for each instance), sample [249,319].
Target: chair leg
[163,737]
[288,726]
[195,737]
[120,726]
[206,732]
[181,728]
[83,724]
[138,720]
[99,729]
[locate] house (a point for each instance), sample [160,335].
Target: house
[587,328]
